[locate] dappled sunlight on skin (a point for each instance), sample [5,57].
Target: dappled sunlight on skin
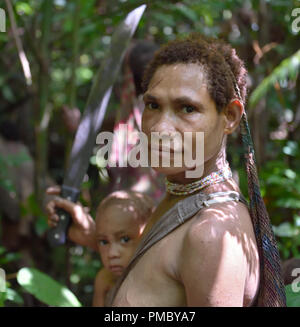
[232,219]
[233,224]
[229,230]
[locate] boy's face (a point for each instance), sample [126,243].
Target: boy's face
[118,234]
[177,100]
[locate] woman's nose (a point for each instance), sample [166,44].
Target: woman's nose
[164,124]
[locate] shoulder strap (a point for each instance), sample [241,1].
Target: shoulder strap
[173,218]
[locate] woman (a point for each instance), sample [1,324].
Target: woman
[219,253]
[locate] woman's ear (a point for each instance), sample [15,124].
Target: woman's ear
[233,113]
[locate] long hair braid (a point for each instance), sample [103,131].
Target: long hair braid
[271,290]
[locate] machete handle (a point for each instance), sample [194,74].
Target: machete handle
[58,235]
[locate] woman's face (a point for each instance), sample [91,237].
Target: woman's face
[177,100]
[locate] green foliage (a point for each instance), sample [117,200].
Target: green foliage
[7,258]
[31,207]
[288,69]
[7,161]
[280,186]
[46,289]
[239,22]
[292,298]
[288,239]
[24,8]
[10,295]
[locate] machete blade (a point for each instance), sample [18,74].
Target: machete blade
[98,100]
[92,119]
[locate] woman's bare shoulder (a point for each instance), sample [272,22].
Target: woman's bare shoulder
[228,221]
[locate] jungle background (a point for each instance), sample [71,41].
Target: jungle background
[64,42]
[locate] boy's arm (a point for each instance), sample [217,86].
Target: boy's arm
[102,285]
[214,266]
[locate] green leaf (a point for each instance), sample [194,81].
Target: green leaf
[288,203]
[46,289]
[274,180]
[41,225]
[84,74]
[286,69]
[5,257]
[164,19]
[285,230]
[23,8]
[292,298]
[13,296]
[12,256]
[187,12]
[2,250]
[291,148]
[290,174]
[2,299]
[297,220]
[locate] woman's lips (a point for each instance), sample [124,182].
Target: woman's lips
[165,150]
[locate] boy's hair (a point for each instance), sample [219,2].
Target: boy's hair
[223,68]
[137,202]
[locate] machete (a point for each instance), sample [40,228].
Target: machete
[92,119]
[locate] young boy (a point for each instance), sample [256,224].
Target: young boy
[120,220]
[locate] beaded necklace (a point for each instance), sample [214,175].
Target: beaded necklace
[213,178]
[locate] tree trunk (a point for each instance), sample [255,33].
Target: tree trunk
[71,90]
[42,110]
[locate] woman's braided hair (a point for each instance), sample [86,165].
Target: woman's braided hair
[227,79]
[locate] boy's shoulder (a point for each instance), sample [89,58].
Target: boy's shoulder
[104,278]
[102,284]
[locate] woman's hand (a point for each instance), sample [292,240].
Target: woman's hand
[82,228]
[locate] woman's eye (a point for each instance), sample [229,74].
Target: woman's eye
[125,239]
[188,109]
[152,105]
[103,242]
